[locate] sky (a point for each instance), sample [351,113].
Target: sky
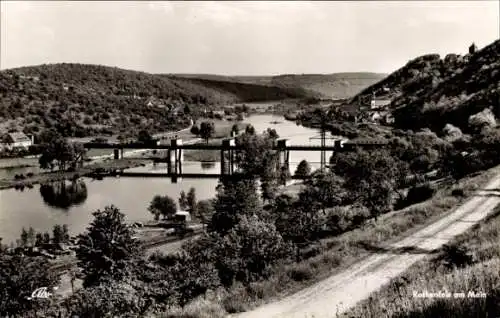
[244,37]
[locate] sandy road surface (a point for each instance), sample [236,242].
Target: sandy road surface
[339,292]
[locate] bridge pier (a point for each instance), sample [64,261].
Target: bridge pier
[283,154]
[175,157]
[118,153]
[227,168]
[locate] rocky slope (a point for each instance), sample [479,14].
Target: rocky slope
[431,91]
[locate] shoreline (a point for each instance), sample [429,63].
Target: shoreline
[39,178]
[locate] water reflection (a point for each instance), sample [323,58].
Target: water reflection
[64,194]
[206,165]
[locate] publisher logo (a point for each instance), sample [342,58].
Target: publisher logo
[41,293]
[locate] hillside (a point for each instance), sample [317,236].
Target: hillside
[335,86]
[430,91]
[81,100]
[418,75]
[468,89]
[246,92]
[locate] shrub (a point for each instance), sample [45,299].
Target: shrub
[300,273]
[248,252]
[458,192]
[455,255]
[483,119]
[419,193]
[195,130]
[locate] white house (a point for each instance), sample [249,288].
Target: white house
[17,140]
[379,103]
[183,215]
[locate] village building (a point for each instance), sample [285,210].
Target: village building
[379,103]
[473,48]
[16,140]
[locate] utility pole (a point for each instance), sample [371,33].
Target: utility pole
[323,144]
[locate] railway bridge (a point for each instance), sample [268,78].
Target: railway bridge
[174,155]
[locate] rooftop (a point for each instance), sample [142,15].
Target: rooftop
[18,137]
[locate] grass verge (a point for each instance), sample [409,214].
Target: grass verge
[331,255]
[474,285]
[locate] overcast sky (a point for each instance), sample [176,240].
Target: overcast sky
[242,38]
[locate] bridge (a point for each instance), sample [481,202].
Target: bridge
[174,155]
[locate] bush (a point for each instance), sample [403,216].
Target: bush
[195,130]
[300,273]
[248,252]
[419,193]
[458,192]
[455,255]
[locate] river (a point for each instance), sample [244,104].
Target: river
[26,208]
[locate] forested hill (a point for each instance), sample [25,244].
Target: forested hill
[431,91]
[82,100]
[247,92]
[336,86]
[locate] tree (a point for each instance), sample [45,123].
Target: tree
[56,151]
[235,129]
[183,200]
[46,238]
[193,272]
[19,277]
[38,239]
[249,250]
[60,234]
[144,137]
[27,238]
[191,200]
[31,237]
[204,211]
[234,199]
[371,179]
[322,191]
[162,205]
[256,156]
[296,222]
[24,237]
[57,234]
[303,169]
[78,154]
[250,130]
[284,175]
[207,130]
[195,130]
[107,249]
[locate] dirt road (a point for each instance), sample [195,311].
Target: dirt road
[339,292]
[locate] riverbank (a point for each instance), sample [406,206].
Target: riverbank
[59,176]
